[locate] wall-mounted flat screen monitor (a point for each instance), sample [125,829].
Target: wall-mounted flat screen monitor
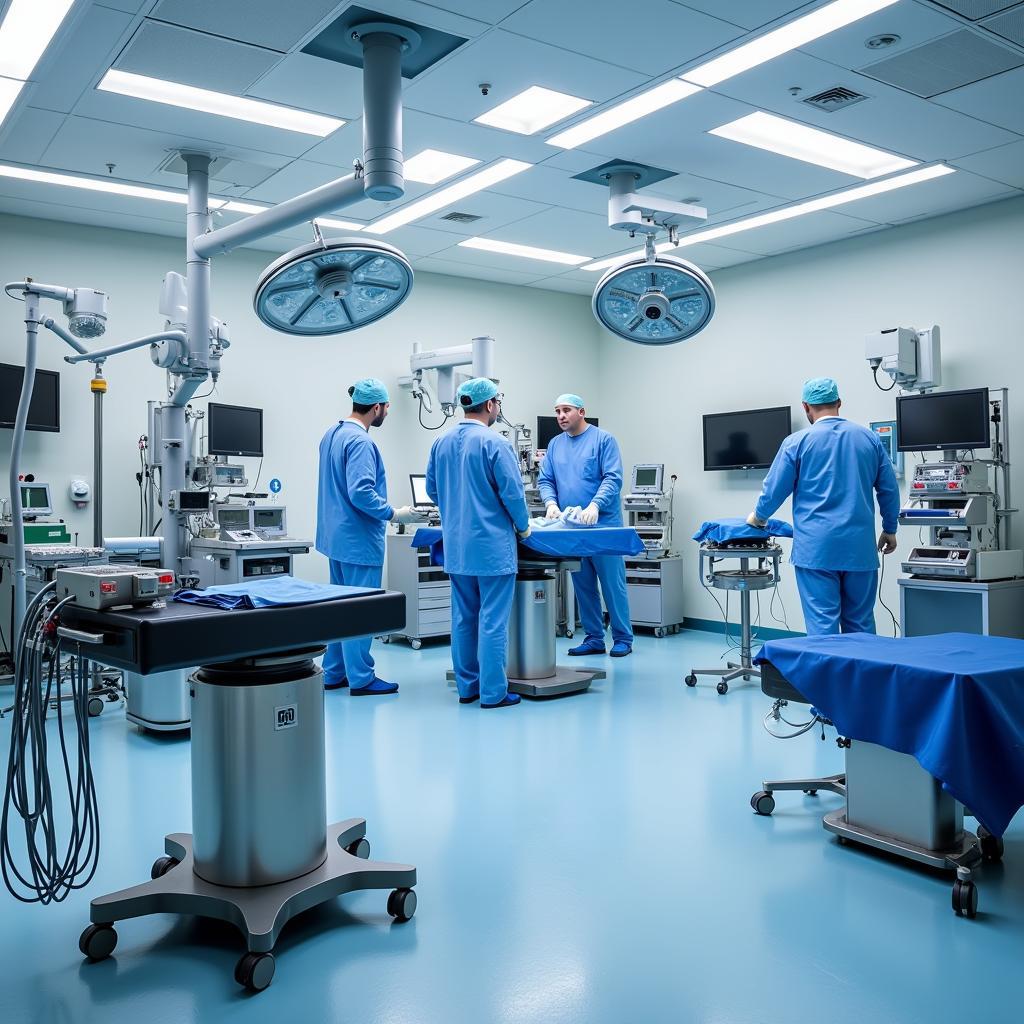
[745,440]
[547,428]
[43,410]
[234,430]
[943,419]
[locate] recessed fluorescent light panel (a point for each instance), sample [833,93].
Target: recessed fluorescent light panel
[432,166]
[9,92]
[623,113]
[525,251]
[237,107]
[848,195]
[533,109]
[26,31]
[93,184]
[788,37]
[788,138]
[446,196]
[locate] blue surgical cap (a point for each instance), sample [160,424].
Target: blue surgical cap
[821,391]
[569,400]
[368,391]
[476,392]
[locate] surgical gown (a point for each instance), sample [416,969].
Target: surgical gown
[834,470]
[351,520]
[577,471]
[473,476]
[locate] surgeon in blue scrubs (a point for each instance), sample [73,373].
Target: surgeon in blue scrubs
[834,470]
[582,466]
[352,516]
[473,476]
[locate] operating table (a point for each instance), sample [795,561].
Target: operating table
[930,726]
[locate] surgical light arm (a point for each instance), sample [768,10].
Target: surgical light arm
[478,356]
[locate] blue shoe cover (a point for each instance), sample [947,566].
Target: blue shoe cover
[378,686]
[509,701]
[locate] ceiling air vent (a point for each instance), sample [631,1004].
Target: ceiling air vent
[461,218]
[835,99]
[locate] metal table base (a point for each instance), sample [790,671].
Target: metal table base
[564,682]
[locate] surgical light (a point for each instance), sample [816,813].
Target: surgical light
[533,109]
[332,287]
[801,142]
[238,107]
[86,310]
[654,299]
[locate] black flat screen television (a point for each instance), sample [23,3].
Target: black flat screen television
[547,428]
[234,430]
[43,410]
[745,440]
[943,419]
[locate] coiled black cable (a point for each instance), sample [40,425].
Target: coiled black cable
[55,867]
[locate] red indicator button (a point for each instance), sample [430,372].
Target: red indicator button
[108,588]
[166,577]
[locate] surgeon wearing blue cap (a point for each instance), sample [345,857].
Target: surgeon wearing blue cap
[352,516]
[473,476]
[835,470]
[582,466]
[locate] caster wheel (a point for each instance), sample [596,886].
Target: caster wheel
[722,688]
[97,942]
[415,644]
[763,803]
[568,634]
[255,971]
[95,707]
[402,904]
[113,698]
[690,680]
[162,865]
[965,898]
[991,846]
[385,639]
[811,792]
[359,848]
[659,632]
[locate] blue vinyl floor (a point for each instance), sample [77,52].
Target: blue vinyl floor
[591,859]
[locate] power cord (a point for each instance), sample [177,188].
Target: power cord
[879,386]
[881,580]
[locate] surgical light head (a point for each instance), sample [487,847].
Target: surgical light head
[332,287]
[86,310]
[655,300]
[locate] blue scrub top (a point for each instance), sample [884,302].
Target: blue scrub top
[352,509]
[583,469]
[832,469]
[473,476]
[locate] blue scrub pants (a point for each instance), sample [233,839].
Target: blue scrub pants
[481,606]
[351,658]
[611,571]
[837,602]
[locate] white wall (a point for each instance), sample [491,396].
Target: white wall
[545,345]
[805,314]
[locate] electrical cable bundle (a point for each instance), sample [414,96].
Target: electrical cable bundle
[55,867]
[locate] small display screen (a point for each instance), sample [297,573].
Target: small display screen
[745,440]
[646,477]
[35,498]
[943,419]
[268,518]
[234,430]
[233,518]
[43,410]
[419,490]
[194,501]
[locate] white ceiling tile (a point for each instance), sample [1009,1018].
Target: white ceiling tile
[718,198]
[747,13]
[929,198]
[913,23]
[193,58]
[76,60]
[87,146]
[707,254]
[129,6]
[467,22]
[204,130]
[491,11]
[556,284]
[311,83]
[583,234]
[890,118]
[495,211]
[672,35]
[998,100]
[75,198]
[433,265]
[25,138]
[511,63]
[270,23]
[416,241]
[548,185]
[1004,163]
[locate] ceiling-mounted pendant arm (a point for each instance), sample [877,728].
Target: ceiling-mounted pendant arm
[628,210]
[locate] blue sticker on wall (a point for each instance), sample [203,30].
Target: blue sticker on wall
[275,486]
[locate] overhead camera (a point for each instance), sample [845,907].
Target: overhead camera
[653,305]
[485,88]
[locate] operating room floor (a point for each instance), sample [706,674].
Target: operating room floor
[589,859]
